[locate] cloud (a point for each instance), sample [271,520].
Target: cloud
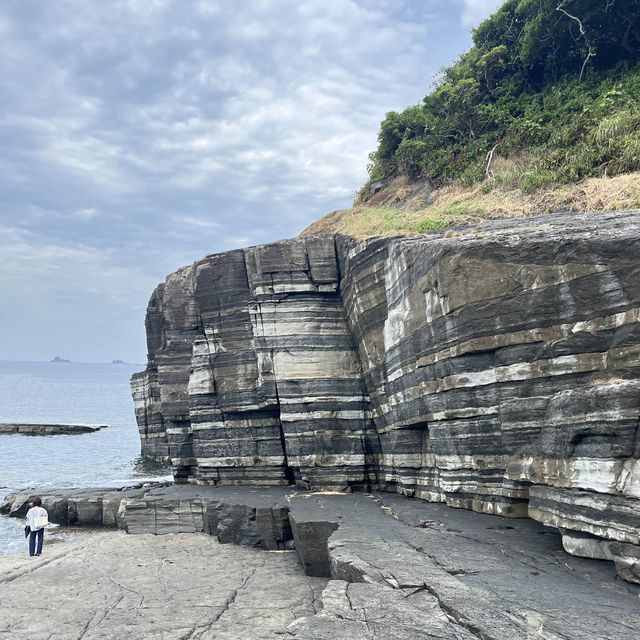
[168,94]
[197,224]
[475,11]
[51,270]
[140,135]
[85,214]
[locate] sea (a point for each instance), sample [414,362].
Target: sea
[68,393]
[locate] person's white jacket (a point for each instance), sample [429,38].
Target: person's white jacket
[32,514]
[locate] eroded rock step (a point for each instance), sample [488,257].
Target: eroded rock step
[254,517]
[400,568]
[47,429]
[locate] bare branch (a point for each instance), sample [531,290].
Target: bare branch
[489,159]
[591,52]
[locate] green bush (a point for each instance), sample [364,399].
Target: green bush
[471,174]
[533,85]
[409,155]
[535,178]
[429,224]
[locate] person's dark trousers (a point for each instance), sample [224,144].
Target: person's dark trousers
[32,542]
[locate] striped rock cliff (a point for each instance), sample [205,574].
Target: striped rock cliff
[494,368]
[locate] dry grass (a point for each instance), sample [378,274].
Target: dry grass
[455,205]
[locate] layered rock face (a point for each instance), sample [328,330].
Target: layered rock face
[495,369]
[253,375]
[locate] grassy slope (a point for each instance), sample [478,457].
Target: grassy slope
[392,210]
[526,91]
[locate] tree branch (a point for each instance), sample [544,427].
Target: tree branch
[489,159]
[590,50]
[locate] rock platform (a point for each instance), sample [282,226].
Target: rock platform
[399,568]
[111,586]
[47,429]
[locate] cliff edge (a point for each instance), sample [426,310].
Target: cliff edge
[494,369]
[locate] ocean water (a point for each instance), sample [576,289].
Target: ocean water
[68,393]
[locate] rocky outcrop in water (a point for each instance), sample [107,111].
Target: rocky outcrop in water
[494,369]
[47,429]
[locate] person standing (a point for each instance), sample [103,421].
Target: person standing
[37,519]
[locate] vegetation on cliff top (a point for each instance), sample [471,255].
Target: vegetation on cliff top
[551,85]
[394,210]
[541,115]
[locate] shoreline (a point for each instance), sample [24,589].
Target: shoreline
[54,536]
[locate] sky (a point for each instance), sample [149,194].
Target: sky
[138,136]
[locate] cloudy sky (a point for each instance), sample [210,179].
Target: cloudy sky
[139,135]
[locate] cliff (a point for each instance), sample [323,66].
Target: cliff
[494,369]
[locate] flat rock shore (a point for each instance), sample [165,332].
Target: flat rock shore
[397,568]
[111,585]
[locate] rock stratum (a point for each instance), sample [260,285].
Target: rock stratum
[493,368]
